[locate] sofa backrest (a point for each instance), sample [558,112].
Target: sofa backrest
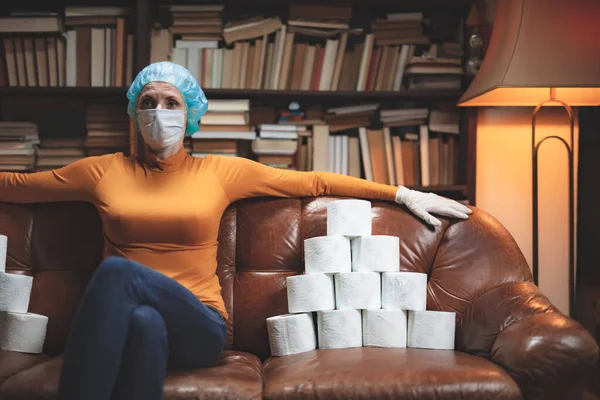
[260,244]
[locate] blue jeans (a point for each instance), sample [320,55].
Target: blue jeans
[132,324]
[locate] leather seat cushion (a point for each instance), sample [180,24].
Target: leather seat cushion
[385,373]
[12,362]
[236,376]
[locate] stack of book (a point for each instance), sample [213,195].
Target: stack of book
[197,21]
[277,145]
[58,152]
[225,129]
[343,118]
[439,68]
[399,28]
[404,116]
[17,146]
[107,129]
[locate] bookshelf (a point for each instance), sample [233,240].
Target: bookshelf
[144,18]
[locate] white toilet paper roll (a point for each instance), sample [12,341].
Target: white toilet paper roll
[310,292]
[431,329]
[291,334]
[327,254]
[358,290]
[404,291]
[3,248]
[384,328]
[349,218]
[15,291]
[378,253]
[339,329]
[22,332]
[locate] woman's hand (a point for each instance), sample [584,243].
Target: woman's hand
[422,204]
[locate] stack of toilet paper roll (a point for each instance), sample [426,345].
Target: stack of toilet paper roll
[353,283]
[19,330]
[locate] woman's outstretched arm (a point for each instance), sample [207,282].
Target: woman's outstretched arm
[74,182]
[241,178]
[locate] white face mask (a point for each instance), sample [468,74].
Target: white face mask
[161,129]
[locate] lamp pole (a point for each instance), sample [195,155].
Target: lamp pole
[535,150]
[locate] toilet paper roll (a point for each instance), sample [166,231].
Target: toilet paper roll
[15,291]
[3,249]
[349,218]
[404,291]
[431,329]
[310,292]
[384,328]
[291,334]
[358,290]
[327,254]
[339,329]
[22,332]
[378,253]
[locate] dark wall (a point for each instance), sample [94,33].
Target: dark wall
[588,207]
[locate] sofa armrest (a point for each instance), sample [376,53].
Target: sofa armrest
[514,325]
[13,362]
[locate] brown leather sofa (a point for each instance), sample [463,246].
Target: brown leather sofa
[511,342]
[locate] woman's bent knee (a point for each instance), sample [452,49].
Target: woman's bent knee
[146,316]
[147,320]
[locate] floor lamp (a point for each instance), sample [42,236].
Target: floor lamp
[542,53]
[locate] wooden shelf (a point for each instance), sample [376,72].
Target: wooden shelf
[62,91]
[430,95]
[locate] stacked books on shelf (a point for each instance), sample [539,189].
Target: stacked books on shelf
[107,128]
[197,21]
[17,146]
[224,129]
[314,49]
[57,152]
[440,68]
[348,117]
[400,28]
[277,145]
[92,46]
[404,116]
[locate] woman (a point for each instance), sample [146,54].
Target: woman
[155,301]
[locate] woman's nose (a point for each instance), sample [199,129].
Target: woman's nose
[160,105]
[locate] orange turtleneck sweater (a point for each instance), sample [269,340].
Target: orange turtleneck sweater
[165,214]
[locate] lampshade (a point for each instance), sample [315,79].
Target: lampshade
[537,45]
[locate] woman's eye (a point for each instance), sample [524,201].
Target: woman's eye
[172,104]
[147,104]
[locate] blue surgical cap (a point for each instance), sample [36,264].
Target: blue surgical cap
[178,76]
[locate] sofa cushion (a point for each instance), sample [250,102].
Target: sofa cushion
[13,362]
[385,373]
[237,376]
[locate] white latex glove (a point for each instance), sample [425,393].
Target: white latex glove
[422,204]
